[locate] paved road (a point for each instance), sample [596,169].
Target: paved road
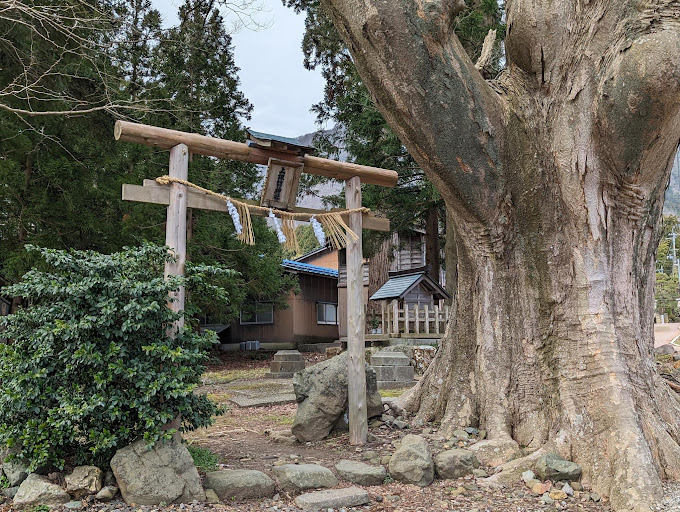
[664,333]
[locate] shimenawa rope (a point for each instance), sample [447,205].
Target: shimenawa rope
[338,232]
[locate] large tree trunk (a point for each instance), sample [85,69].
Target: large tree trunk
[554,176]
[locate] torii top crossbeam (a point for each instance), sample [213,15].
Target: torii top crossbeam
[228,149]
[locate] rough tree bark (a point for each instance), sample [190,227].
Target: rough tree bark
[554,176]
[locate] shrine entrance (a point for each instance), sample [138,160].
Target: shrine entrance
[286,161]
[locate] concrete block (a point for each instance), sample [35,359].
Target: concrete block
[403,373]
[279,375]
[383,358]
[393,384]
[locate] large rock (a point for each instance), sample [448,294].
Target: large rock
[84,480]
[494,452]
[333,498]
[321,393]
[16,471]
[299,477]
[555,468]
[667,349]
[455,463]
[240,484]
[38,490]
[360,473]
[164,473]
[412,462]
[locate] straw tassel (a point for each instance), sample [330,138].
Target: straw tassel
[246,236]
[288,228]
[338,232]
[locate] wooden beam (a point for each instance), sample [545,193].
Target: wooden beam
[176,225]
[152,192]
[209,146]
[356,322]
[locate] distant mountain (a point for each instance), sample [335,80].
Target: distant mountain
[672,204]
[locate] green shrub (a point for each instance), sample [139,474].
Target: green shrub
[90,366]
[204,458]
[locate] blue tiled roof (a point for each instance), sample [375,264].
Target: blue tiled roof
[309,269]
[396,286]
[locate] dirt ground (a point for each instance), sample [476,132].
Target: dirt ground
[259,437]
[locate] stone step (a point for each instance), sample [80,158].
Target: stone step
[398,373]
[332,498]
[390,359]
[279,375]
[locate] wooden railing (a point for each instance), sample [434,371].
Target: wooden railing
[413,320]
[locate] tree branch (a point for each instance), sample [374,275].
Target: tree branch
[429,91]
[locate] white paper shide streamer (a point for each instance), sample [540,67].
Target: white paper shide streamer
[235,217]
[277,226]
[318,231]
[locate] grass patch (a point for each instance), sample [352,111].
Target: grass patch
[392,393]
[204,458]
[279,419]
[219,398]
[226,376]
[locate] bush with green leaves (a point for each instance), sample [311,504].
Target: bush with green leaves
[90,365]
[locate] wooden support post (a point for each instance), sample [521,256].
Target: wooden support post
[406,326]
[436,318]
[395,317]
[176,225]
[416,315]
[383,311]
[356,321]
[427,319]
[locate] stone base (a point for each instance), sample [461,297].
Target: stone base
[279,375]
[397,373]
[319,348]
[393,384]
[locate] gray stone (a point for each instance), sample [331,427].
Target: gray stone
[360,473]
[528,475]
[16,471]
[393,384]
[568,490]
[285,363]
[472,431]
[321,393]
[9,492]
[300,477]
[384,358]
[73,505]
[84,480]
[400,424]
[107,493]
[455,463]
[240,484]
[38,490]
[494,452]
[555,468]
[332,499]
[412,462]
[461,434]
[109,479]
[479,473]
[676,357]
[546,499]
[667,349]
[595,497]
[212,497]
[164,473]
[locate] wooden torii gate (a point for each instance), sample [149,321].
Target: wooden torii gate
[178,198]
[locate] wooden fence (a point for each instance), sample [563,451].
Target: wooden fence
[413,320]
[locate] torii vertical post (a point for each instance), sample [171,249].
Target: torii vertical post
[356,320]
[176,225]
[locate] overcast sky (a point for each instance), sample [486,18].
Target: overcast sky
[272,75]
